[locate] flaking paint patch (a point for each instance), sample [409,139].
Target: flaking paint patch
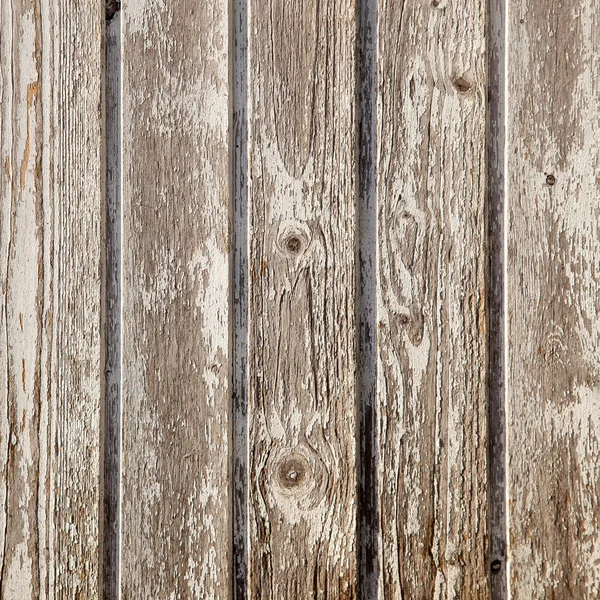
[210,268]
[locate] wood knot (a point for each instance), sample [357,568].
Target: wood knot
[461,85]
[293,239]
[297,475]
[550,179]
[292,471]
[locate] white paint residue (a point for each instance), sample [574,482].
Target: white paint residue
[210,265]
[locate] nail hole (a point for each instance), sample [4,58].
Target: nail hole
[495,566]
[522,21]
[461,85]
[550,179]
[404,319]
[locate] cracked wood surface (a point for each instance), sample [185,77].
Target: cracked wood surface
[51,220]
[302,344]
[432,355]
[553,299]
[175,522]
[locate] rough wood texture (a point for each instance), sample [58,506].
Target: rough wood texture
[431,303]
[302,336]
[175,522]
[51,364]
[553,304]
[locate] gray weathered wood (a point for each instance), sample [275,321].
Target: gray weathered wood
[112,429]
[175,495]
[553,300]
[51,256]
[431,299]
[302,272]
[496,292]
[368,477]
[239,285]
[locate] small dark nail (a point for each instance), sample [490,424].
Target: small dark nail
[496,564]
[550,179]
[522,21]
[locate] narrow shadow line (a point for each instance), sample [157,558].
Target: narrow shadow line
[368,501]
[496,300]
[112,436]
[239,171]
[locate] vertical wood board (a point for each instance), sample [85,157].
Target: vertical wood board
[432,397]
[175,481]
[302,279]
[553,301]
[51,221]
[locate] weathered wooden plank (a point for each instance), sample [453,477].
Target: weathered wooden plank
[302,338]
[51,260]
[175,494]
[431,299]
[553,304]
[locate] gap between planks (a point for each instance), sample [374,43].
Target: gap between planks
[368,501]
[239,289]
[498,514]
[112,437]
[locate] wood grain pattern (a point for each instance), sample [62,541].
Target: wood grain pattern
[51,364]
[553,304]
[176,502]
[431,299]
[302,274]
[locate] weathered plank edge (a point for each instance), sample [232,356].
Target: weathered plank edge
[238,44]
[496,298]
[368,492]
[112,421]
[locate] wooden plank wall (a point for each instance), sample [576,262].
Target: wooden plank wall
[300,299]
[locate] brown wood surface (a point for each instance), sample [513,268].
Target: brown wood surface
[553,299]
[432,355]
[51,256]
[175,480]
[302,273]
[299,299]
